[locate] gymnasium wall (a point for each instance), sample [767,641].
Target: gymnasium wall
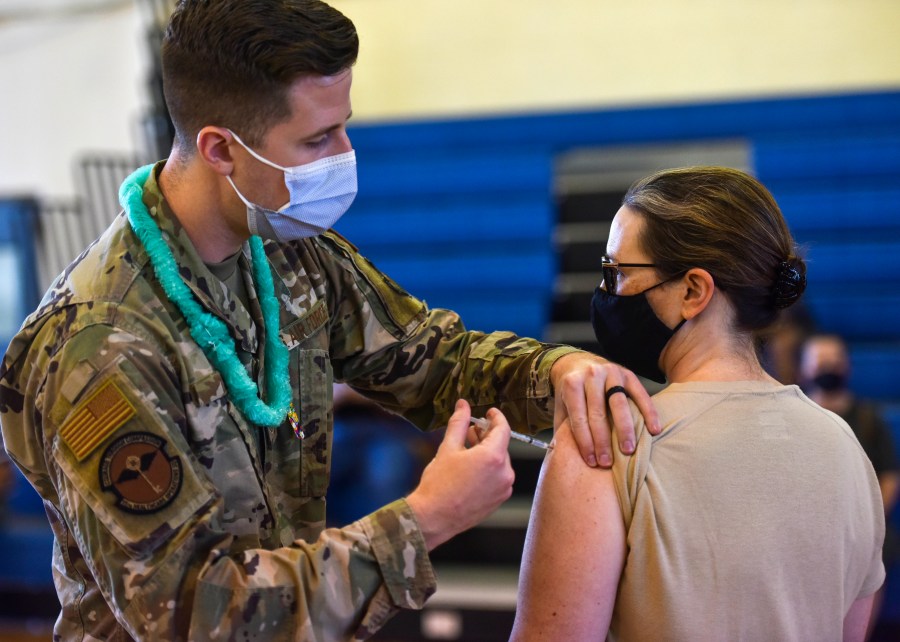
[73,72]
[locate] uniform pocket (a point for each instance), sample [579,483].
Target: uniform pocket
[315,395]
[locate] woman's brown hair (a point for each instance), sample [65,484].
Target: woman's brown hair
[726,222]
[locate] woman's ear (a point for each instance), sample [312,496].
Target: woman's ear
[213,146]
[700,288]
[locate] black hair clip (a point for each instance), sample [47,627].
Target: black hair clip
[789,285]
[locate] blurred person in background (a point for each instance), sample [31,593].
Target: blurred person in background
[755,514]
[824,373]
[779,345]
[825,377]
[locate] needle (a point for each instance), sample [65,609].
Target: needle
[483,425]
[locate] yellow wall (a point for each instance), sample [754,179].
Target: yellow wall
[74,84]
[425,58]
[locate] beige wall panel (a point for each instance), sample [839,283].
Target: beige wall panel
[453,57]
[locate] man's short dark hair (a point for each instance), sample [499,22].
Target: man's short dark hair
[230,63]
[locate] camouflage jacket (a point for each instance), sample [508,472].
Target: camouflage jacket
[175,518]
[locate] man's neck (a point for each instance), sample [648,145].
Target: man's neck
[197,201]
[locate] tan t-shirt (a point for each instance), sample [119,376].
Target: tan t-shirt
[755,515]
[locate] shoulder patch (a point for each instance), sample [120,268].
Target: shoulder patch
[136,468]
[95,419]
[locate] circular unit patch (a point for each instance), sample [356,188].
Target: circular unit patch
[136,468]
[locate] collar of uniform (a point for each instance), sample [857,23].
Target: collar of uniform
[299,286]
[209,290]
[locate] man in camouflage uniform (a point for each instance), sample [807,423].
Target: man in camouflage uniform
[175,517]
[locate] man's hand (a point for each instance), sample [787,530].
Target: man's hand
[460,487]
[580,381]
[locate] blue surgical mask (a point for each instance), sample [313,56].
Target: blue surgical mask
[320,193]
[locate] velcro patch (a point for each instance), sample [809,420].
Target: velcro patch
[95,419]
[305,326]
[137,469]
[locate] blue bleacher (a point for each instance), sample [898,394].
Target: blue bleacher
[467,229]
[429,172]
[822,209]
[866,314]
[25,536]
[854,286]
[839,154]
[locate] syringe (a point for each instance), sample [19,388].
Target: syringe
[483,425]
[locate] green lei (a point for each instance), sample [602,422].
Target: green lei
[210,332]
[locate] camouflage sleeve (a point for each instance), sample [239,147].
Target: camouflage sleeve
[417,361]
[345,586]
[146,514]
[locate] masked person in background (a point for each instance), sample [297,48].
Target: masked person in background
[824,368]
[171,398]
[824,376]
[755,514]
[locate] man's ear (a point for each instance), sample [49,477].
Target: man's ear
[700,289]
[214,147]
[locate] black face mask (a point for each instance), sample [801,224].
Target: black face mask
[630,333]
[830,381]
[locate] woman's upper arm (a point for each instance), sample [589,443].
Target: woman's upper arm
[574,550]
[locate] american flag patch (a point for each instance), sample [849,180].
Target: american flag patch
[95,419]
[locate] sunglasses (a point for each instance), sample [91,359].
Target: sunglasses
[610,271]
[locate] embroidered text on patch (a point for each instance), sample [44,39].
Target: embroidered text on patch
[95,420]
